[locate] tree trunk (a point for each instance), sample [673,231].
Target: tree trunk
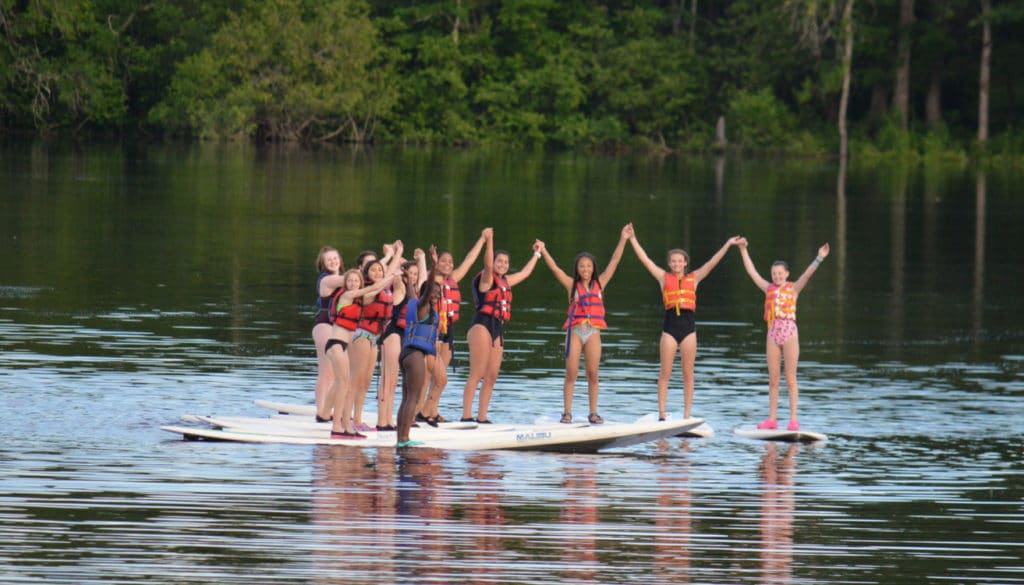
[844,98]
[933,101]
[693,22]
[901,91]
[986,61]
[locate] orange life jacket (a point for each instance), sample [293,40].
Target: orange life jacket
[377,312]
[347,316]
[448,305]
[586,306]
[780,301]
[679,293]
[496,302]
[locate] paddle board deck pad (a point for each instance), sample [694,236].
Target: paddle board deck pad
[563,438]
[801,436]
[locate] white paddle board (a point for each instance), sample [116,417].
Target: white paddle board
[801,436]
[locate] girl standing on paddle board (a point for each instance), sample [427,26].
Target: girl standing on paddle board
[448,276]
[345,311]
[782,343]
[492,292]
[586,320]
[679,329]
[328,263]
[377,310]
[391,340]
[421,327]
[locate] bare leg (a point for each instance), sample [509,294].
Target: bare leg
[592,355]
[439,379]
[774,354]
[791,356]
[389,352]
[339,393]
[667,348]
[572,371]
[688,351]
[362,356]
[428,383]
[324,370]
[479,340]
[414,372]
[490,378]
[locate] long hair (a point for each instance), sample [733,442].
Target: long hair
[362,280]
[576,279]
[366,269]
[320,266]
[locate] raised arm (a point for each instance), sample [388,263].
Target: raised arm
[811,269]
[368,291]
[563,279]
[656,272]
[703,271]
[487,277]
[421,264]
[749,265]
[609,271]
[460,272]
[514,279]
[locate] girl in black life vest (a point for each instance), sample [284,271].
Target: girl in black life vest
[492,290]
[329,265]
[586,320]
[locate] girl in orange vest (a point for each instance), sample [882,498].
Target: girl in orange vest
[783,343]
[376,311]
[586,320]
[492,290]
[448,276]
[679,330]
[345,305]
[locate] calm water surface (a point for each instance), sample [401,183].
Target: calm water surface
[141,284]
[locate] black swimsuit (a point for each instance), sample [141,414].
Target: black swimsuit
[679,326]
[494,327]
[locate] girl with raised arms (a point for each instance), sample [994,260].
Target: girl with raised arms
[783,342]
[586,319]
[448,309]
[377,310]
[414,273]
[420,340]
[679,329]
[345,312]
[492,293]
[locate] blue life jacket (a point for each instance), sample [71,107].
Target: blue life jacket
[420,335]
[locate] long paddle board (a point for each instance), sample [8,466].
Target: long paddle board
[560,438]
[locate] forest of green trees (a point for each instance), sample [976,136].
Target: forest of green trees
[795,76]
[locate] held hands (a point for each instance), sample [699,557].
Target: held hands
[538,246]
[741,242]
[627,232]
[735,241]
[417,254]
[487,233]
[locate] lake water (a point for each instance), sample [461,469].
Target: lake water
[138,284]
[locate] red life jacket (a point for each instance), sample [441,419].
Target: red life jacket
[347,316]
[779,301]
[377,312]
[497,302]
[448,305]
[679,293]
[586,306]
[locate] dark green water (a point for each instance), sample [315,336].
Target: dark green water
[138,284]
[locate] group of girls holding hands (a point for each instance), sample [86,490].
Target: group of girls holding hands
[409,313]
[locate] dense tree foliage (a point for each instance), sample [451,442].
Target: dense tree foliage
[617,73]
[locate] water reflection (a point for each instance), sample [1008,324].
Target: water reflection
[578,520]
[672,515]
[777,469]
[484,511]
